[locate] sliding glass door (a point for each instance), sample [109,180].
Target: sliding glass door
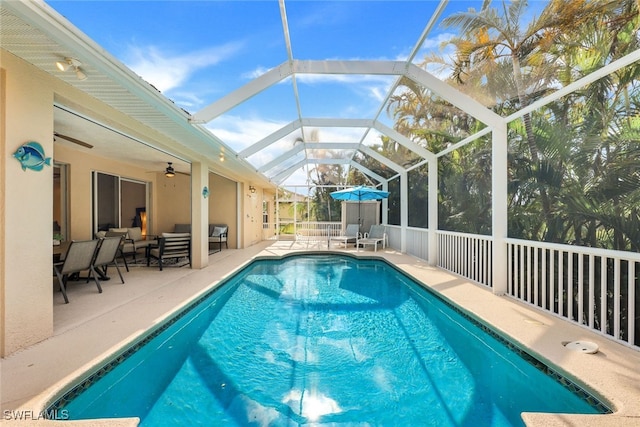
[119,202]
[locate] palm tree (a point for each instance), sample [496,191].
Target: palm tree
[490,37]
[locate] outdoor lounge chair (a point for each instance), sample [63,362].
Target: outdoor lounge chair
[107,255]
[351,234]
[218,234]
[171,246]
[79,257]
[376,234]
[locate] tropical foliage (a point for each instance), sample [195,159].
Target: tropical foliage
[573,164]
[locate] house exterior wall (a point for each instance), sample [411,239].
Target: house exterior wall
[27,114]
[252,220]
[27,286]
[26,281]
[268,223]
[173,197]
[82,164]
[223,206]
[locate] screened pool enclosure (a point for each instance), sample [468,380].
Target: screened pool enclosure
[511,151]
[506,132]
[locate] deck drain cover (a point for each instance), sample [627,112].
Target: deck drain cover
[582,346]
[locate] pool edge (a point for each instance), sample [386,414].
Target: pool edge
[619,417]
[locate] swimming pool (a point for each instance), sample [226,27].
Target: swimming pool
[320,340]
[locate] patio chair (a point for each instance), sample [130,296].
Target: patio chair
[107,255]
[377,234]
[121,249]
[171,246]
[79,257]
[134,241]
[218,234]
[350,235]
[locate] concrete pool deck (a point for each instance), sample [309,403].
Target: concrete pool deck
[94,326]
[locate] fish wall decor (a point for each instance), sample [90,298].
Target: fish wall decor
[31,156]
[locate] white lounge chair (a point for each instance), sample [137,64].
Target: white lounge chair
[351,234]
[377,234]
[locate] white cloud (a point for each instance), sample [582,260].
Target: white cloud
[260,70]
[166,71]
[435,43]
[378,93]
[241,132]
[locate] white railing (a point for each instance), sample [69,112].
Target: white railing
[394,235]
[467,255]
[570,281]
[417,242]
[320,230]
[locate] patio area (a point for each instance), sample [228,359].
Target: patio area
[93,326]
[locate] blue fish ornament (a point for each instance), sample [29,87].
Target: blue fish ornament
[31,155]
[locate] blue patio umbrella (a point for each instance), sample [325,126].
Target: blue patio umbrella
[359,194]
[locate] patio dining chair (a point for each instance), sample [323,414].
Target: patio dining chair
[79,257]
[377,234]
[107,255]
[121,247]
[351,234]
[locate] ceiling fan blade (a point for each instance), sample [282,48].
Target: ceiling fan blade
[71,139]
[175,171]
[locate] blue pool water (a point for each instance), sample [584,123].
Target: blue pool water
[318,340]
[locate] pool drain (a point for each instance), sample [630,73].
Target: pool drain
[586,347]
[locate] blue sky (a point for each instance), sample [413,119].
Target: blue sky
[195,52]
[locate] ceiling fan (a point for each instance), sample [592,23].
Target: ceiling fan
[71,139]
[170,172]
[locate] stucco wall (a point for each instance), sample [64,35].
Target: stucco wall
[223,206]
[174,202]
[82,163]
[27,281]
[252,219]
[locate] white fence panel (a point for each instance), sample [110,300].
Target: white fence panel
[318,230]
[467,255]
[590,286]
[418,242]
[393,236]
